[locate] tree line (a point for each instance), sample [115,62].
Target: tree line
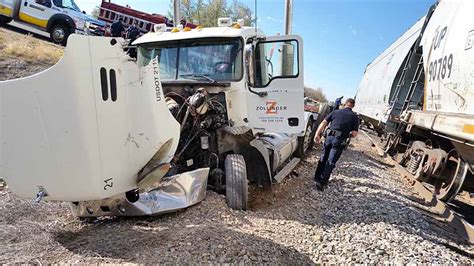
[206,12]
[316,94]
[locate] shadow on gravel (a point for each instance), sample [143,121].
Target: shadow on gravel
[360,196]
[137,240]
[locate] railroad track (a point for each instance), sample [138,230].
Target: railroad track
[458,215]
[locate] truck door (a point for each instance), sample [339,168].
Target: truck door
[276,85]
[6,8]
[36,12]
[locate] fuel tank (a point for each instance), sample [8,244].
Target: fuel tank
[282,145]
[84,128]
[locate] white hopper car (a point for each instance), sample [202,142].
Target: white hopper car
[428,118]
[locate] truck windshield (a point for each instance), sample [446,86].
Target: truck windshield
[70,4]
[207,60]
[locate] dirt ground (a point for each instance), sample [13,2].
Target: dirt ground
[22,55]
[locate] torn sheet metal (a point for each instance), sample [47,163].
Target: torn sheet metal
[171,194]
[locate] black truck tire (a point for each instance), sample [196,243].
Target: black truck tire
[237,190]
[59,34]
[306,142]
[324,110]
[5,20]
[314,128]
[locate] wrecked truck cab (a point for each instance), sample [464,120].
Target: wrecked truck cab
[219,107]
[89,128]
[238,96]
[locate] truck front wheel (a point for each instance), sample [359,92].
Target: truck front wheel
[4,20]
[236,187]
[59,34]
[306,142]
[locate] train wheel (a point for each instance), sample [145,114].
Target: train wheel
[391,144]
[456,172]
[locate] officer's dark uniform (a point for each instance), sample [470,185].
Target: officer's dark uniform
[342,122]
[338,102]
[132,33]
[117,29]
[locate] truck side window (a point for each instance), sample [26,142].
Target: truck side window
[58,3]
[275,60]
[46,3]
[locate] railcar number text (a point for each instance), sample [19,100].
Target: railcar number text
[441,68]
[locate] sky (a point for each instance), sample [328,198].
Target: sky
[340,36]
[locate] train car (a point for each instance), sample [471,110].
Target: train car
[430,123]
[381,78]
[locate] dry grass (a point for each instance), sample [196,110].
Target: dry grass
[29,49]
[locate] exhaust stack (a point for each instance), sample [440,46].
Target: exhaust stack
[288,16]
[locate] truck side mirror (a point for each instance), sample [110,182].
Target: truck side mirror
[250,64]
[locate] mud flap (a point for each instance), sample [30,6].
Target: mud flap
[84,128]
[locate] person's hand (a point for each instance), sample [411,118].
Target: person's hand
[318,138]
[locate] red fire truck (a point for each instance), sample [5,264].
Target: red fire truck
[111,12]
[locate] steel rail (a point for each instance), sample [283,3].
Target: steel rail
[435,208]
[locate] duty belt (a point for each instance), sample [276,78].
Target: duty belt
[335,133]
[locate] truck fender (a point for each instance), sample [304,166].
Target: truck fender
[61,18]
[263,151]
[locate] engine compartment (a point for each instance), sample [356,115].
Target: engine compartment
[201,115]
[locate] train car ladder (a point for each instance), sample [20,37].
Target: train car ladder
[415,92]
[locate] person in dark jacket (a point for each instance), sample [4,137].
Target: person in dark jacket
[117,28]
[338,102]
[133,32]
[343,124]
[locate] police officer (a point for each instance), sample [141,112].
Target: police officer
[133,32]
[117,28]
[343,124]
[338,102]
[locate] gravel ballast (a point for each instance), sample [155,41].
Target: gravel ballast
[365,216]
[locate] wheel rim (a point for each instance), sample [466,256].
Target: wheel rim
[59,34]
[447,189]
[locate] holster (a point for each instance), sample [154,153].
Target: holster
[331,132]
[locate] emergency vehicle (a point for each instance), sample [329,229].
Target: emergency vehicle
[58,18]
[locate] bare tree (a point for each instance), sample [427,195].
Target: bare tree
[95,12]
[241,11]
[206,12]
[316,94]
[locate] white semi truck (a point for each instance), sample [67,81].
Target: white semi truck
[214,107]
[59,18]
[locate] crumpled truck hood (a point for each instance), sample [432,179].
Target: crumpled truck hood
[84,128]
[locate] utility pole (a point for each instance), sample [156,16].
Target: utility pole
[288,16]
[176,20]
[288,51]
